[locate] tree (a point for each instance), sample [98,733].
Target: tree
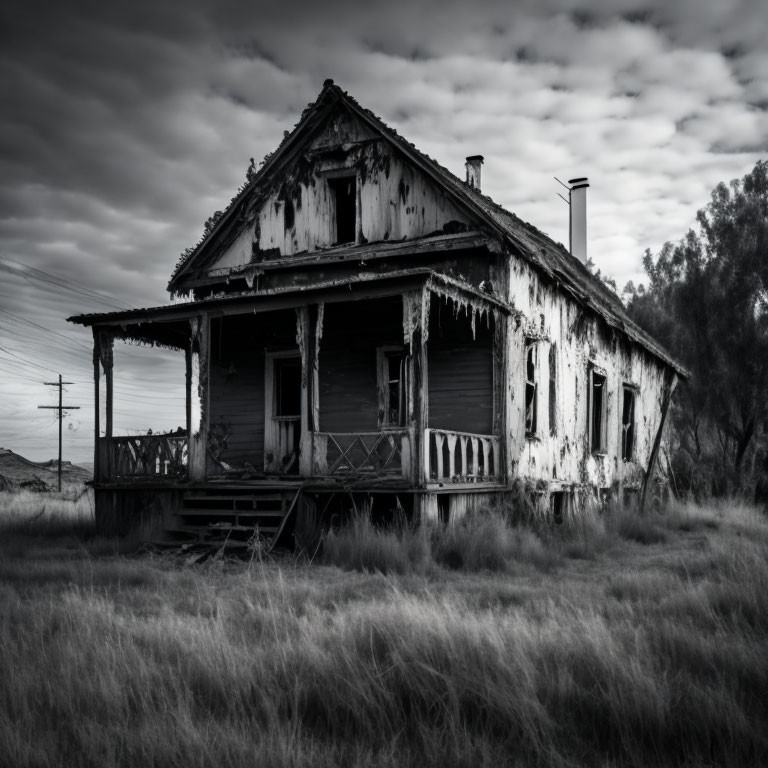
[707,300]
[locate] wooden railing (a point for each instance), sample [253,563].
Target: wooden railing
[362,453]
[461,457]
[143,456]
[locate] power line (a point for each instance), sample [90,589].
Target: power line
[26,272]
[20,319]
[29,362]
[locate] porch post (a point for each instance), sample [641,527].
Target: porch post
[416,332]
[309,331]
[197,433]
[103,340]
[96,404]
[501,377]
[303,343]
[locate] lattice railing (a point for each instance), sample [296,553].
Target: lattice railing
[146,456]
[461,457]
[361,453]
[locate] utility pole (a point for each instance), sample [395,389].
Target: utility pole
[60,408]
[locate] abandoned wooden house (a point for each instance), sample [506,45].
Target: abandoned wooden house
[363,324]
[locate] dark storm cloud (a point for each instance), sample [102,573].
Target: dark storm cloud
[124,126]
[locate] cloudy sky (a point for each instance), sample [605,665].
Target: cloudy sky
[124,126]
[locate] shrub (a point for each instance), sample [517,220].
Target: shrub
[487,541]
[361,546]
[629,524]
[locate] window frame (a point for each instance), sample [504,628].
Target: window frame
[624,428]
[334,180]
[601,449]
[531,385]
[552,394]
[384,354]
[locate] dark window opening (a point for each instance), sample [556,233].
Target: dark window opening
[628,425]
[288,387]
[557,501]
[597,403]
[345,197]
[552,390]
[392,387]
[531,393]
[289,215]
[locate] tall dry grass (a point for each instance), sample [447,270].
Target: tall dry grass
[640,654]
[69,512]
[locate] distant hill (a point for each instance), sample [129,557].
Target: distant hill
[18,473]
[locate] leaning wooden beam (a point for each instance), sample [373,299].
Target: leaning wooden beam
[666,400]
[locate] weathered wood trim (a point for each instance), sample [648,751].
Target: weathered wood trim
[362,286]
[342,254]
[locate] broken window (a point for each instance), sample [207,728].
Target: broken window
[597,401]
[628,425]
[531,388]
[344,192]
[392,380]
[552,390]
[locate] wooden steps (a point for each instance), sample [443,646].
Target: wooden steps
[236,520]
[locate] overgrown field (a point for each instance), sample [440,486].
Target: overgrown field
[617,642]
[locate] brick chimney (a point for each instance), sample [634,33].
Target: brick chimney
[474,162]
[578,218]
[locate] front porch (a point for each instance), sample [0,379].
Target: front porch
[393,383]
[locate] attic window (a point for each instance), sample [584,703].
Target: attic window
[531,388]
[628,425]
[596,405]
[289,215]
[344,192]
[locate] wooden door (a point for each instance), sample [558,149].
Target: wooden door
[283,409]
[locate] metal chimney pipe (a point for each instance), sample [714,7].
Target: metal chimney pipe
[578,218]
[473,170]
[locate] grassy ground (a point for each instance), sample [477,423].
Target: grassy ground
[616,642]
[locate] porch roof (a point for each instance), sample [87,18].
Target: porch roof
[362,286]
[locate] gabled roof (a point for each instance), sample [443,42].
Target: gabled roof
[523,239]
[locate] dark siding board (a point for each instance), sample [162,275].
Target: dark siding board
[237,397]
[460,371]
[347,362]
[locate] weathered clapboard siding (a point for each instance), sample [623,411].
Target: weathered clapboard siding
[394,201]
[460,371]
[551,318]
[347,373]
[238,345]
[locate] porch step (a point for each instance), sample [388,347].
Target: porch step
[230,520]
[221,513]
